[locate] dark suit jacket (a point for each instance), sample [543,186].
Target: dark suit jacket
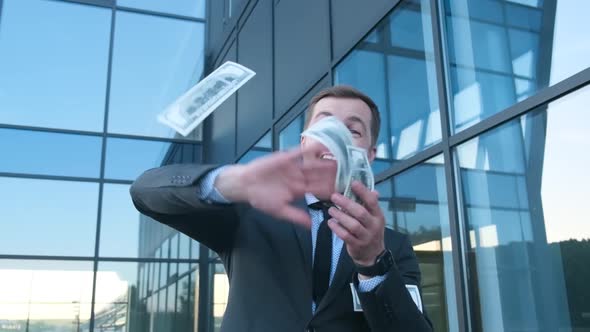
[268,263]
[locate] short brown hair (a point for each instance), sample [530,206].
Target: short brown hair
[345,91]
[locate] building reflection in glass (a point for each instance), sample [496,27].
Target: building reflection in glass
[524,191]
[415,203]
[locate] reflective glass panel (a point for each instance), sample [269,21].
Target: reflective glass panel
[47,217]
[53,64]
[124,232]
[126,159]
[40,295]
[415,203]
[155,60]
[502,52]
[260,149]
[119,305]
[397,71]
[220,294]
[192,8]
[290,136]
[35,152]
[525,189]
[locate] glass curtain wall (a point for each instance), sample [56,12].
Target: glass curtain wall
[80,88]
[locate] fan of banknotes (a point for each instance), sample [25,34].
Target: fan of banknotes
[190,109]
[353,163]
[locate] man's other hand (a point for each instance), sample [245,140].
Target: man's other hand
[361,227]
[273,182]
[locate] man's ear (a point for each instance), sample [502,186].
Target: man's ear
[372,153]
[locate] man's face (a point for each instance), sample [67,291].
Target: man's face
[356,115]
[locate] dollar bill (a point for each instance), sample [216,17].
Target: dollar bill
[353,163]
[190,109]
[360,170]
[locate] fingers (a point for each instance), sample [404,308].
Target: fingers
[343,233]
[352,209]
[351,225]
[370,198]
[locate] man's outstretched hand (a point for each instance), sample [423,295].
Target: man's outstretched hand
[273,182]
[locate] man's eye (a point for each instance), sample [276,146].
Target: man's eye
[355,132]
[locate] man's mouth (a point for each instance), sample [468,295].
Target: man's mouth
[328,156]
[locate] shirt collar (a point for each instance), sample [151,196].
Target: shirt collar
[310,199]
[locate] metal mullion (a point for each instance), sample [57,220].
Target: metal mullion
[237,93]
[490,71]
[159,14]
[97,134]
[384,39]
[148,260]
[331,37]
[102,165]
[288,113]
[337,60]
[153,138]
[392,50]
[115,181]
[49,130]
[48,177]
[254,148]
[403,165]
[273,72]
[205,292]
[100,259]
[457,235]
[544,96]
[62,178]
[96,3]
[54,258]
[488,22]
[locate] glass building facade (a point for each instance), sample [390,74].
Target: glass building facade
[81,84]
[480,158]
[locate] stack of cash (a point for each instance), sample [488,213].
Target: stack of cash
[190,109]
[353,163]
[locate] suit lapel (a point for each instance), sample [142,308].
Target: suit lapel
[342,277]
[303,236]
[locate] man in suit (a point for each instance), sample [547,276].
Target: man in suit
[295,262]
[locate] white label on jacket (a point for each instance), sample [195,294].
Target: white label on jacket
[415,294]
[356,302]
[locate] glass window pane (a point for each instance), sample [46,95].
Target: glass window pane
[260,149]
[120,307]
[185,302]
[124,232]
[192,8]
[525,188]
[59,80]
[415,202]
[290,136]
[184,247]
[397,71]
[49,153]
[47,217]
[265,141]
[220,294]
[155,60]
[126,159]
[495,62]
[40,295]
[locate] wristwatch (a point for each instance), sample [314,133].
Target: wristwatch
[383,263]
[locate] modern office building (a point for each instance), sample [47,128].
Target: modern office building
[482,153]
